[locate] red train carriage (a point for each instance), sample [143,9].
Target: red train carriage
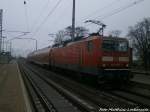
[40,56]
[106,58]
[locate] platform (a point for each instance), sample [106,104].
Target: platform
[13,95]
[141,78]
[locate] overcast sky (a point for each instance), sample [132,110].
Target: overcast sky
[33,17]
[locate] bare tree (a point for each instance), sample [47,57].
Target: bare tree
[59,37]
[140,36]
[65,34]
[68,31]
[81,31]
[115,33]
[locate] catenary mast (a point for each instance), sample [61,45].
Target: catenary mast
[1,30]
[73,20]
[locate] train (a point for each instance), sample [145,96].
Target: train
[103,57]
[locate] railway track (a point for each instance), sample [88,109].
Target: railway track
[91,99]
[141,100]
[44,97]
[138,89]
[101,98]
[38,99]
[138,72]
[139,85]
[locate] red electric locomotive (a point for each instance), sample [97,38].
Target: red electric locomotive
[106,58]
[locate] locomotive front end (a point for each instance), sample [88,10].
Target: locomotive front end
[115,59]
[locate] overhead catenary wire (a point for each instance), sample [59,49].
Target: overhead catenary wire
[16,37]
[15,31]
[45,19]
[63,14]
[99,10]
[41,12]
[121,9]
[116,11]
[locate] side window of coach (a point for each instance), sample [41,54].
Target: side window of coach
[89,46]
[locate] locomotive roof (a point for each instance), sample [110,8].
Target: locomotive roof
[96,37]
[81,39]
[115,38]
[90,37]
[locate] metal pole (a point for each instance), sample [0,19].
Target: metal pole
[73,20]
[36,44]
[1,15]
[102,31]
[3,43]
[10,47]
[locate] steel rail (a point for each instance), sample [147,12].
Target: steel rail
[82,105]
[40,101]
[90,94]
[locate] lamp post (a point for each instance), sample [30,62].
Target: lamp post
[1,30]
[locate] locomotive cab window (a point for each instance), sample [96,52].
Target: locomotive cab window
[108,45]
[89,46]
[123,46]
[111,45]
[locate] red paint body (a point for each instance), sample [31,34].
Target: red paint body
[85,56]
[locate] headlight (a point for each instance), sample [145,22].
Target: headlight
[125,59]
[127,65]
[104,65]
[107,58]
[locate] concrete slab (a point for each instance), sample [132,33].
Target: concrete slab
[13,97]
[141,78]
[1,65]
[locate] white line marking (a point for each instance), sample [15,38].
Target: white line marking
[24,91]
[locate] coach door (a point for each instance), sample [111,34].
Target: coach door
[89,53]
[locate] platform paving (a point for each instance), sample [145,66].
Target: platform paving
[141,78]
[13,97]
